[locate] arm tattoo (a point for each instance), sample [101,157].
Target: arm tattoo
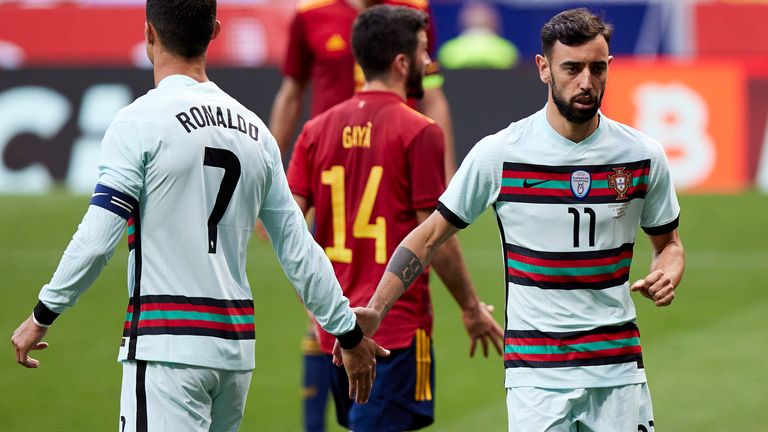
[405,265]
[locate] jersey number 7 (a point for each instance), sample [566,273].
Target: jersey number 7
[361,228]
[221,158]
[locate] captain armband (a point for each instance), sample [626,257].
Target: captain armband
[114,201]
[405,265]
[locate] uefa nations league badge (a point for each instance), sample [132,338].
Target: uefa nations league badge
[581,183]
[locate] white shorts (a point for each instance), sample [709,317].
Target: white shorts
[605,409]
[167,397]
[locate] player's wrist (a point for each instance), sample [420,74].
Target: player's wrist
[43,316]
[471,306]
[351,338]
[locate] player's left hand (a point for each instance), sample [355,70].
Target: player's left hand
[657,286]
[26,338]
[481,326]
[360,364]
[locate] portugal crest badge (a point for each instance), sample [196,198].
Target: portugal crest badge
[620,181]
[581,183]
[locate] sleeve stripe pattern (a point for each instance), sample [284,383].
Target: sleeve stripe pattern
[115,201]
[451,216]
[663,229]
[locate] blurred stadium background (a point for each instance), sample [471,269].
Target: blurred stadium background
[693,74]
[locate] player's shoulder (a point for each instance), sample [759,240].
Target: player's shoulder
[143,109]
[417,4]
[627,134]
[328,116]
[411,116]
[306,6]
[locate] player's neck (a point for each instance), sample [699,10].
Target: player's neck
[167,64]
[576,132]
[384,86]
[361,5]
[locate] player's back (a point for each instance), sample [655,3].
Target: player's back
[367,165]
[204,172]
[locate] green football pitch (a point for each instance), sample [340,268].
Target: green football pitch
[705,355]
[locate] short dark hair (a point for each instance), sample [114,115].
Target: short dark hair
[381,33]
[574,27]
[185,27]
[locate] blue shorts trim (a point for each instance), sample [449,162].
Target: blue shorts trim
[403,393]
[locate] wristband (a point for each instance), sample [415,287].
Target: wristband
[38,323]
[43,316]
[350,339]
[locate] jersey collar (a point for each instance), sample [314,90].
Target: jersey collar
[552,133]
[177,81]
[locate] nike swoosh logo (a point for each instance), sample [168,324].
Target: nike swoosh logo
[527,184]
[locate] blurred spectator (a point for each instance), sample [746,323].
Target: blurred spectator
[479,44]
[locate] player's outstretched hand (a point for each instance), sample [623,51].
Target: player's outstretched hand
[657,286]
[360,364]
[481,326]
[26,338]
[369,321]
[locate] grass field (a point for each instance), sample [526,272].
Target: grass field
[705,355]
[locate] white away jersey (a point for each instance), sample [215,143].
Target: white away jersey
[191,170]
[568,214]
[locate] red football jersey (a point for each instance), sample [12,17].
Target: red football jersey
[367,165]
[319,49]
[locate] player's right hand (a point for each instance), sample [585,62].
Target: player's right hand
[657,286]
[26,338]
[360,365]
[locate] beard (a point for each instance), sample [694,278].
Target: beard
[569,111]
[414,87]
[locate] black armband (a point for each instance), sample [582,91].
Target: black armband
[405,265]
[43,315]
[351,338]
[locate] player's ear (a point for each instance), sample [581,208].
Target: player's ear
[149,33]
[543,65]
[216,29]
[150,38]
[401,64]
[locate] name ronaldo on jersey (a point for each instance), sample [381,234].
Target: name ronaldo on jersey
[203,116]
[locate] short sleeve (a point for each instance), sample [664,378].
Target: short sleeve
[427,167]
[476,184]
[300,168]
[661,210]
[122,160]
[298,56]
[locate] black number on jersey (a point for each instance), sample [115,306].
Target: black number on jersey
[221,158]
[576,225]
[642,428]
